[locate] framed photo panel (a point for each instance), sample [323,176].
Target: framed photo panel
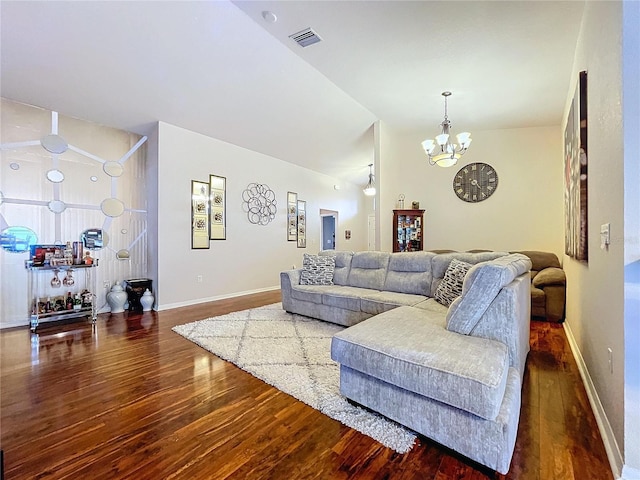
[575,175]
[292,216]
[302,224]
[199,214]
[218,200]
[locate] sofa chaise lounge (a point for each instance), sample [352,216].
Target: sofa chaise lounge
[452,373]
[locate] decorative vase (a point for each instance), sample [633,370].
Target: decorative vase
[116,298]
[146,300]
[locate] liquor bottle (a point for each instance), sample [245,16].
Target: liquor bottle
[69,304]
[47,306]
[77,302]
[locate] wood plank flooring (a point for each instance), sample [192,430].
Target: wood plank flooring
[130,399]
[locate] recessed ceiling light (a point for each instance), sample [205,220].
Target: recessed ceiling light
[269,16]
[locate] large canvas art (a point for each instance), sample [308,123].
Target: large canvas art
[576,243]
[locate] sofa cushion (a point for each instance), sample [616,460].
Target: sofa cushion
[317,270]
[409,272]
[345,297]
[342,267]
[308,293]
[440,263]
[434,306]
[368,270]
[408,347]
[481,285]
[378,302]
[541,260]
[451,286]
[549,276]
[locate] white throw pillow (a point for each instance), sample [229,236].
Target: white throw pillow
[317,270]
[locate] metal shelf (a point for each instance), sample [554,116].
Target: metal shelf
[28,264]
[59,315]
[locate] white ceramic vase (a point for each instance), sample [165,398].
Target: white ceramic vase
[146,300]
[116,298]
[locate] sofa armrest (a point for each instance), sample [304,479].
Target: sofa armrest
[549,276]
[288,279]
[554,302]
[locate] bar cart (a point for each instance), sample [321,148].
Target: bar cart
[61,292]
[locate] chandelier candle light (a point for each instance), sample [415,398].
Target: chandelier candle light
[370,188]
[441,151]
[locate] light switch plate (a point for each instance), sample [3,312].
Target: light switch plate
[605,235]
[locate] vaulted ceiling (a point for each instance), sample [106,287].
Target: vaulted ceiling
[220,69]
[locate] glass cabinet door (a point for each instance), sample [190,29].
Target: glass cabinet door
[408,230]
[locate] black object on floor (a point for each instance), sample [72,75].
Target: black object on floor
[135,289]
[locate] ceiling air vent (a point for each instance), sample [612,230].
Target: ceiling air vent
[306,37]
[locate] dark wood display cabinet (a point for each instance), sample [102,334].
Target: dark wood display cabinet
[407,230]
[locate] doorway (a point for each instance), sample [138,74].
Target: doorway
[329,220]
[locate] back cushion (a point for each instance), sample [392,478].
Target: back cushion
[481,285]
[342,267]
[368,270]
[541,260]
[441,262]
[409,272]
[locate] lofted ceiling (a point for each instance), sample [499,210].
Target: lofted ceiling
[220,69]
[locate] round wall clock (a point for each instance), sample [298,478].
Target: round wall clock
[475,182]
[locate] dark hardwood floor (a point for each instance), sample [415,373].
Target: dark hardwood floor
[128,398]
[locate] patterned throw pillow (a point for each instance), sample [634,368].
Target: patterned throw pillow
[317,270]
[450,287]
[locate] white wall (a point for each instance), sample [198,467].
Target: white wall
[631,122]
[252,256]
[524,213]
[595,291]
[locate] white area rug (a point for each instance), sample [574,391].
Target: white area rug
[292,353]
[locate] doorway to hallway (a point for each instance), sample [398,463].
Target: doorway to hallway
[329,220]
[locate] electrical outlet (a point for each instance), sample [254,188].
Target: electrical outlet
[610,353]
[199,279]
[106,284]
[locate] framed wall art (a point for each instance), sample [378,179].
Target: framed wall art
[199,214]
[292,216]
[575,175]
[302,224]
[218,200]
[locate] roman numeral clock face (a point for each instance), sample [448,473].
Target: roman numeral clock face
[475,182]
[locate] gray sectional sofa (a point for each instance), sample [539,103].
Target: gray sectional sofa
[452,373]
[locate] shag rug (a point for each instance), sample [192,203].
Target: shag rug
[292,353]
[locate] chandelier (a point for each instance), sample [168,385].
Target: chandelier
[441,151]
[370,188]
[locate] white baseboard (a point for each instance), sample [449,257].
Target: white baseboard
[188,303]
[606,432]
